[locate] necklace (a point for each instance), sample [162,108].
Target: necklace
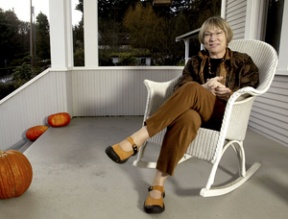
[209,67]
[215,62]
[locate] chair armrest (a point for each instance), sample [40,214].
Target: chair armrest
[244,93]
[158,92]
[237,113]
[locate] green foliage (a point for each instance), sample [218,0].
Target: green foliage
[21,75]
[105,58]
[127,59]
[121,22]
[149,30]
[6,71]
[6,88]
[43,37]
[78,36]
[79,7]
[24,73]
[78,39]
[15,39]
[114,9]
[131,51]
[110,33]
[10,44]
[79,57]
[142,25]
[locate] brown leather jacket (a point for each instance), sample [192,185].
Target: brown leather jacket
[237,69]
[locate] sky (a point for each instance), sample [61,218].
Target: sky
[22,9]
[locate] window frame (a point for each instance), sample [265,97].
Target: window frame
[283,52]
[256,26]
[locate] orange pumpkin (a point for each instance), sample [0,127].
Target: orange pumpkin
[15,174]
[34,132]
[59,119]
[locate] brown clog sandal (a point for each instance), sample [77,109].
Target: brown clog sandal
[154,206]
[116,153]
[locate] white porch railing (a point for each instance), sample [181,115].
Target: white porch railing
[105,91]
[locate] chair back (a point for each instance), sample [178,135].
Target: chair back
[263,55]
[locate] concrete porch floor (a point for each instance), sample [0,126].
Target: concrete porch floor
[74,179]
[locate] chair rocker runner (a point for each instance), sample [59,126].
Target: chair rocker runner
[210,145]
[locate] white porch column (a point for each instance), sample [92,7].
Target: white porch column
[187,47]
[223,8]
[91,33]
[283,54]
[255,14]
[61,40]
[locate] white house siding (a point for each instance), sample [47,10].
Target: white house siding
[235,15]
[270,112]
[29,105]
[81,92]
[110,91]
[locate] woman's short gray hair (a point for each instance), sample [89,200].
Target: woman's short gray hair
[217,22]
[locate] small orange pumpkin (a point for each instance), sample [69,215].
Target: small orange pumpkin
[15,174]
[59,119]
[34,132]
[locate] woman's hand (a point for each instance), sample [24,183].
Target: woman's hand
[221,91]
[213,83]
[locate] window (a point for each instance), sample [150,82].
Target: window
[268,20]
[137,28]
[274,22]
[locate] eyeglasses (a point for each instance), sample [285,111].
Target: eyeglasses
[217,34]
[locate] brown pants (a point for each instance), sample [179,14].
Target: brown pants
[188,108]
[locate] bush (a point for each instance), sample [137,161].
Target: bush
[24,72]
[105,58]
[6,88]
[6,71]
[79,57]
[127,59]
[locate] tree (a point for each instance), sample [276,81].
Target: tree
[149,30]
[144,26]
[24,36]
[114,9]
[78,38]
[171,51]
[15,49]
[139,24]
[24,73]
[10,46]
[110,15]
[42,37]
[79,7]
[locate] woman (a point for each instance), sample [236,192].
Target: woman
[199,99]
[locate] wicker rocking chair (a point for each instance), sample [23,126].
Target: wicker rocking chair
[210,145]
